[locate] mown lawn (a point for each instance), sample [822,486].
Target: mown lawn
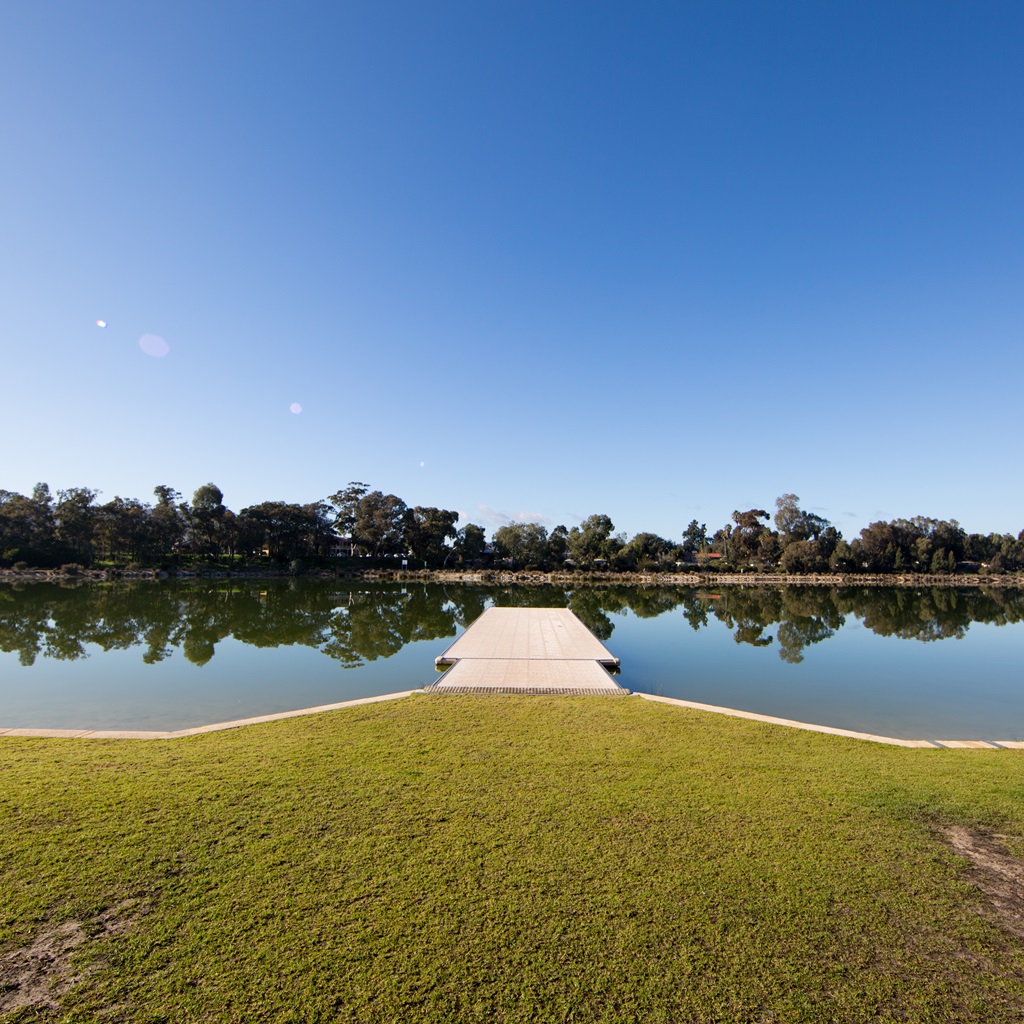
[505,859]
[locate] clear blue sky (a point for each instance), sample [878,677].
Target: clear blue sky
[522,259]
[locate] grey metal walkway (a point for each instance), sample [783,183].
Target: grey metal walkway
[527,650]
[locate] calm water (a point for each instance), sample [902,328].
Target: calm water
[930,663]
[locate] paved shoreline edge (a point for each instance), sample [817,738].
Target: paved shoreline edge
[142,734]
[790,723]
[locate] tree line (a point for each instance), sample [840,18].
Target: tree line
[357,623]
[49,530]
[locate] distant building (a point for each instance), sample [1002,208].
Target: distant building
[341,547]
[701,557]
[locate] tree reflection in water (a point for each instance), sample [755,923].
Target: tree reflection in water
[360,622]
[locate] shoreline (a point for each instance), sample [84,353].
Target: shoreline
[506,577]
[241,723]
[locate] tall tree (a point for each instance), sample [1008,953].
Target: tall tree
[28,529]
[75,514]
[804,556]
[470,544]
[788,515]
[207,520]
[794,523]
[592,540]
[346,503]
[319,528]
[44,531]
[285,530]
[379,525]
[745,540]
[524,543]
[427,530]
[695,537]
[558,547]
[123,526]
[168,520]
[644,551]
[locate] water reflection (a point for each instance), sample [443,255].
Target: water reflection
[791,618]
[351,625]
[357,623]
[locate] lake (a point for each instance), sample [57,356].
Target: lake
[927,664]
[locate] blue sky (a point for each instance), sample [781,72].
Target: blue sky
[525,260]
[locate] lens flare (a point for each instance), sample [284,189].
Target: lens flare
[295,408]
[101,323]
[153,345]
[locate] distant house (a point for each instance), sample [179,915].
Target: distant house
[341,547]
[701,557]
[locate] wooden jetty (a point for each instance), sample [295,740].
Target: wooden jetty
[527,650]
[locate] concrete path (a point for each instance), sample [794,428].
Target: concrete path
[789,723]
[142,734]
[527,650]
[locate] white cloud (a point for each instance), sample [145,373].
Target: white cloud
[533,517]
[492,515]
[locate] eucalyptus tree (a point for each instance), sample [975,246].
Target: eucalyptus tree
[124,528]
[379,525]
[278,527]
[979,548]
[76,517]
[470,544]
[427,532]
[319,528]
[345,504]
[745,538]
[592,540]
[524,543]
[843,559]
[796,524]
[558,547]
[44,527]
[28,530]
[644,551]
[805,541]
[168,520]
[804,556]
[875,549]
[920,544]
[208,520]
[695,537]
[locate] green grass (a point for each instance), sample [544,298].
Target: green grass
[510,859]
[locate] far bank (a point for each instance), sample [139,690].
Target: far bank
[501,577]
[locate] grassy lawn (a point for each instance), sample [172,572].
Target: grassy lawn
[502,859]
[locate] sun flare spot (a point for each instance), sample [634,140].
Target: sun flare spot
[153,345]
[101,323]
[295,408]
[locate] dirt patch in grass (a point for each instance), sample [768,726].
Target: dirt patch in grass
[39,974]
[996,872]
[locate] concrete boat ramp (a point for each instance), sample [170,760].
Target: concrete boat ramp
[528,650]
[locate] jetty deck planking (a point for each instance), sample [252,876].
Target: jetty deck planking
[533,650]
